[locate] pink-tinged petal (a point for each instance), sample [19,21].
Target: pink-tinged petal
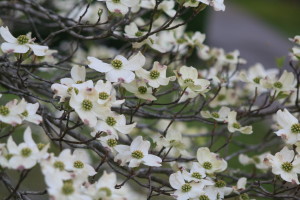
[7,36]
[122,76]
[136,62]
[98,65]
[117,8]
[38,50]
[14,48]
[152,160]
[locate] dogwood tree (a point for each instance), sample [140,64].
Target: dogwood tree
[101,100]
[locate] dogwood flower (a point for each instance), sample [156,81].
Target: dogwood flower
[220,116]
[211,162]
[166,6]
[234,126]
[286,82]
[139,88]
[104,188]
[240,186]
[30,113]
[286,164]
[120,69]
[107,94]
[86,106]
[21,44]
[112,123]
[289,127]
[156,76]
[217,4]
[220,189]
[196,174]
[136,154]
[64,89]
[184,190]
[11,113]
[258,161]
[120,6]
[296,39]
[26,154]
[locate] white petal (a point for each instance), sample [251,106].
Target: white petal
[38,50]
[98,65]
[135,62]
[6,35]
[78,73]
[120,76]
[152,160]
[14,48]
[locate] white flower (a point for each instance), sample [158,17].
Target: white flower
[104,188]
[107,94]
[234,126]
[211,162]
[30,113]
[156,76]
[240,186]
[67,190]
[217,4]
[22,44]
[184,190]
[220,116]
[109,141]
[196,174]
[258,161]
[11,113]
[26,154]
[120,6]
[290,127]
[220,189]
[86,106]
[78,162]
[286,82]
[64,89]
[112,123]
[196,39]
[137,153]
[167,6]
[296,39]
[120,69]
[139,88]
[286,164]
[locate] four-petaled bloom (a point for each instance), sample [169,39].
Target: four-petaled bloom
[137,153]
[211,162]
[120,69]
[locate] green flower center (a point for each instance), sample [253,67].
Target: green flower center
[71,88]
[186,187]
[139,34]
[278,85]
[78,164]
[4,110]
[295,128]
[220,183]
[229,57]
[203,197]
[112,142]
[221,97]
[196,175]
[256,80]
[117,64]
[181,40]
[188,80]
[154,74]
[116,1]
[215,115]
[137,154]
[25,113]
[87,105]
[26,152]
[207,165]
[142,89]
[106,190]
[111,121]
[103,95]
[78,82]
[68,188]
[236,125]
[287,166]
[40,146]
[23,39]
[59,165]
